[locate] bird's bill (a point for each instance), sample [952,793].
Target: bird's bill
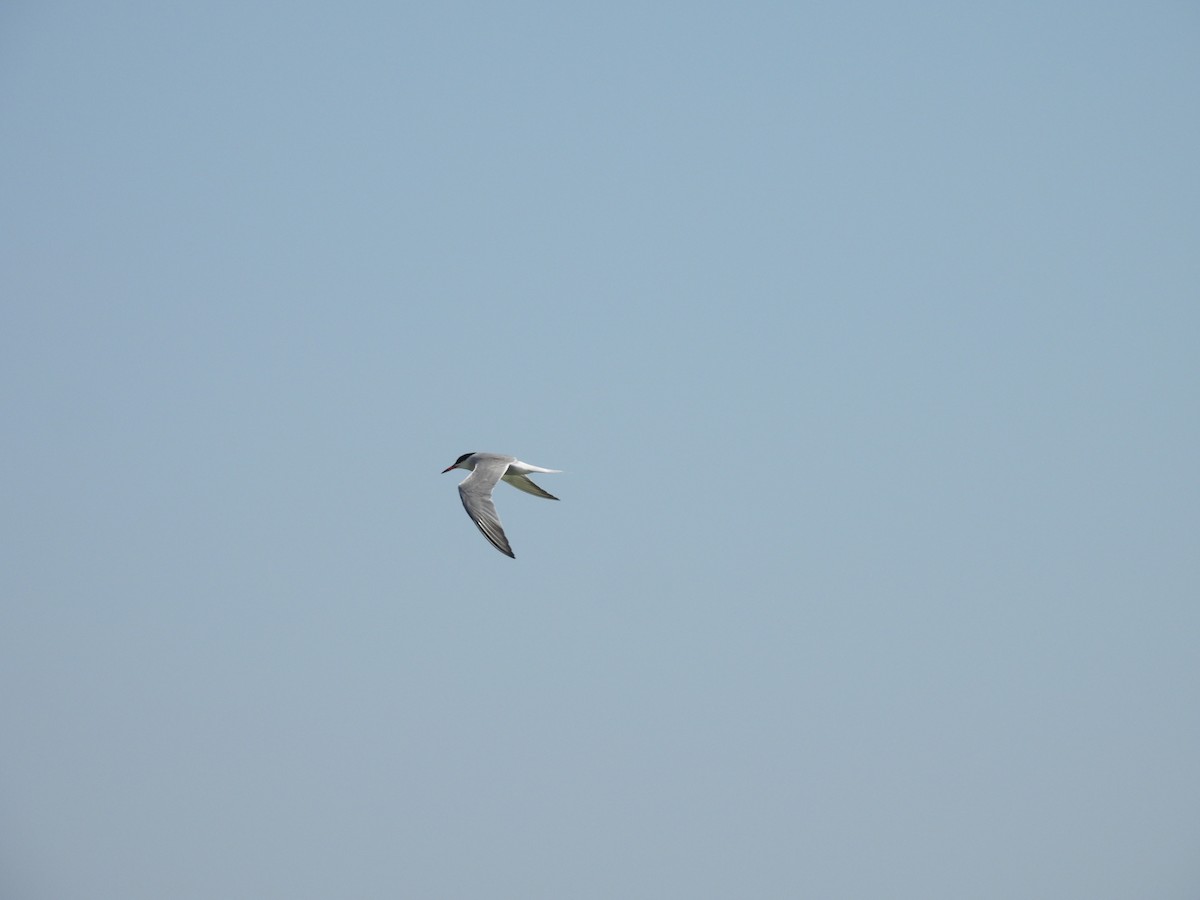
[448,468]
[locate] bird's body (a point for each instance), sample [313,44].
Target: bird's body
[476,490]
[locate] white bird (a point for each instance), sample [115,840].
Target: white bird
[476,490]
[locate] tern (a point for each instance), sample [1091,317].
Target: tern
[476,490]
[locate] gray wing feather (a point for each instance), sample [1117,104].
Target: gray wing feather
[476,493]
[523,483]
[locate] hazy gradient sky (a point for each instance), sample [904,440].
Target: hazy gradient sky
[867,335]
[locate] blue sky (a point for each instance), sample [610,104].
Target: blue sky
[866,335]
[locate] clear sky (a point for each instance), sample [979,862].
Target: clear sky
[867,336]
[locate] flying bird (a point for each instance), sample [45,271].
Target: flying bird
[476,490]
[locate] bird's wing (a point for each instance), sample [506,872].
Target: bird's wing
[524,484]
[476,493]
